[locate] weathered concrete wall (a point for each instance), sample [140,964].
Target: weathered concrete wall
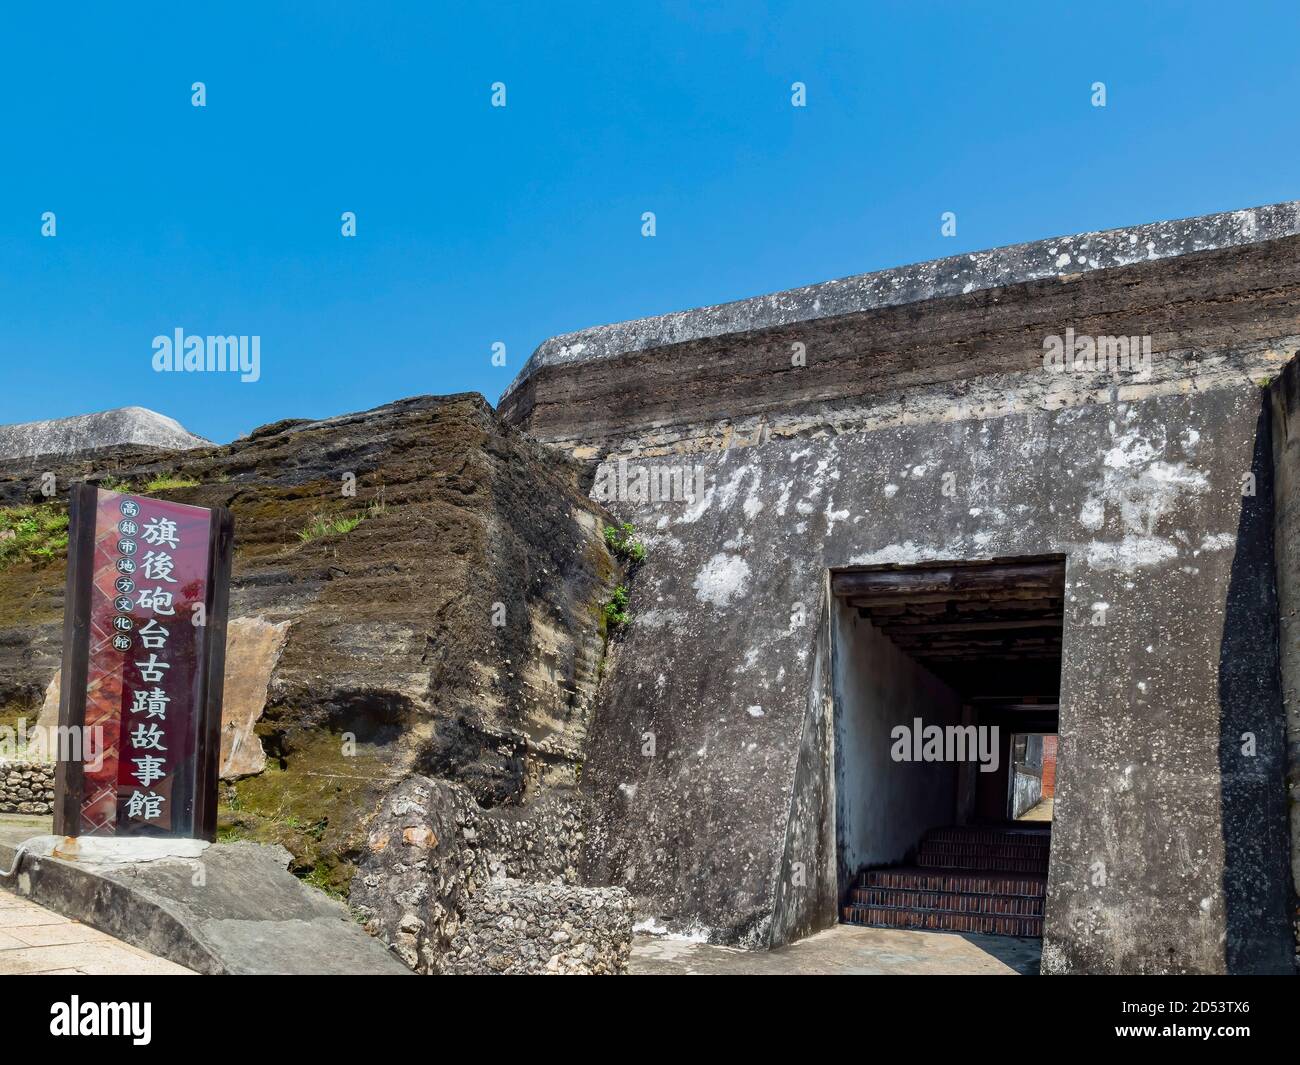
[807,892]
[1285,412]
[1145,500]
[931,342]
[883,807]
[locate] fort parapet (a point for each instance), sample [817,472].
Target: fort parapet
[901,430]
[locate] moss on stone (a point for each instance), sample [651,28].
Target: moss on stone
[36,535]
[313,801]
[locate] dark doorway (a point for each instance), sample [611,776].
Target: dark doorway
[947,683]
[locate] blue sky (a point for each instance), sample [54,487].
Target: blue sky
[478,224]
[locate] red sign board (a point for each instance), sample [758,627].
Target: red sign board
[144,642]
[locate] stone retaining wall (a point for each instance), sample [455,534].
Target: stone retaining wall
[513,928]
[26,787]
[430,885]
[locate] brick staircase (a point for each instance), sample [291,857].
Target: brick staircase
[966,879]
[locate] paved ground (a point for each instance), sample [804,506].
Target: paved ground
[845,949]
[1041,812]
[14,828]
[36,942]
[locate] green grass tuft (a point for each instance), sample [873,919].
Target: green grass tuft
[37,534]
[166,482]
[321,525]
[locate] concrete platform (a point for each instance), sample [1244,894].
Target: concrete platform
[845,950]
[231,908]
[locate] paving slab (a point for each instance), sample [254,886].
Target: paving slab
[35,941]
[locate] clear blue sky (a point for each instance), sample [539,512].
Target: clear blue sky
[479,224]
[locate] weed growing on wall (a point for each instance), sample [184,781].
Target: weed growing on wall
[623,544]
[616,615]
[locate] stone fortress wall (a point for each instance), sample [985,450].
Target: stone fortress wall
[830,423]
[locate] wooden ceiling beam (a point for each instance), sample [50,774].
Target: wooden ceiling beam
[918,628]
[1013,580]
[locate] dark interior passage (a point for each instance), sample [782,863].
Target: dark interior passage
[1029,795]
[947,687]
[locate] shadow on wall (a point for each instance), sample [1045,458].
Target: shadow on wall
[1256,869]
[884,806]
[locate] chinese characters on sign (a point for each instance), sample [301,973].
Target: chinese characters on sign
[146,615]
[145,761]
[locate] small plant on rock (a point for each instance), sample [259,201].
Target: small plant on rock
[622,543]
[322,525]
[616,615]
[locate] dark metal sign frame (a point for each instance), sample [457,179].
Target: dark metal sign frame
[204,715]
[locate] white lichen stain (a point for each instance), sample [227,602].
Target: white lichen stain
[1093,514]
[659,619]
[721,579]
[727,494]
[784,500]
[832,516]
[900,554]
[1131,553]
[1140,488]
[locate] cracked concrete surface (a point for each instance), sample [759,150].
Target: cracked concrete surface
[844,950]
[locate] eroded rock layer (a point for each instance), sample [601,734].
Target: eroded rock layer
[426,587]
